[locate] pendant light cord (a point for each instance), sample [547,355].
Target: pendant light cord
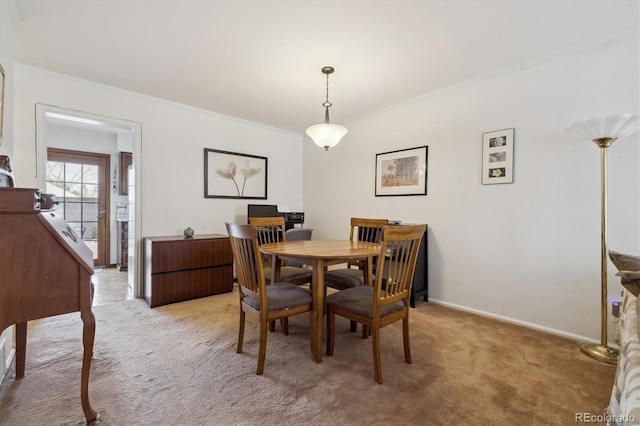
[327,104]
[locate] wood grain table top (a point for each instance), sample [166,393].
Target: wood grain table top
[322,249]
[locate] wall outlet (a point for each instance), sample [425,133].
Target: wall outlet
[615,310]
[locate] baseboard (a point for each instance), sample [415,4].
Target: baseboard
[520,322]
[5,363]
[9,360]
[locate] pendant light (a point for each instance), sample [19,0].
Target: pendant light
[327,135]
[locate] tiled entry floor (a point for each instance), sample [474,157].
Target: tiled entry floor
[111,285]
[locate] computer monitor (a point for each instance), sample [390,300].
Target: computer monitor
[262,210]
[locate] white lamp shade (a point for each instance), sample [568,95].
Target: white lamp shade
[610,126]
[326,135]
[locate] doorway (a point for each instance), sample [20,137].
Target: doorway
[79,180]
[83,132]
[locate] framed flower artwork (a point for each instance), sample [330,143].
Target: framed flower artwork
[234,175]
[497,156]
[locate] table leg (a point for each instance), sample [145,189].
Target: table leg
[368,273]
[276,265]
[317,288]
[367,264]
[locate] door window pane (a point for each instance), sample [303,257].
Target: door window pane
[73,172]
[55,171]
[90,191]
[89,211]
[72,211]
[72,191]
[90,173]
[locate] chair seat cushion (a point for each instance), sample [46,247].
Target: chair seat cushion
[344,278]
[291,273]
[282,296]
[360,301]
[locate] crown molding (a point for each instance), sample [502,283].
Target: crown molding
[625,33]
[146,98]
[631,32]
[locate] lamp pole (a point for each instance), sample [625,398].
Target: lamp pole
[602,352]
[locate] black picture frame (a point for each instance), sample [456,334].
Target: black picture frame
[234,175]
[402,172]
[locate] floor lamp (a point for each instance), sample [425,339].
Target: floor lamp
[604,131]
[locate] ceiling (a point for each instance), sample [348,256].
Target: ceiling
[261,60]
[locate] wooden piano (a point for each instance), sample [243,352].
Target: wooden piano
[45,270]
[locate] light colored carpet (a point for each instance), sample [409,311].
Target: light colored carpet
[177,365]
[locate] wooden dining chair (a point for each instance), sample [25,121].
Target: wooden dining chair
[272,230]
[362,229]
[269,302]
[387,301]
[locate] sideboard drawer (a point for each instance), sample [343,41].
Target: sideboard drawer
[178,268]
[178,286]
[169,256]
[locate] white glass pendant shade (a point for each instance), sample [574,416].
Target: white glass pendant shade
[327,135]
[610,126]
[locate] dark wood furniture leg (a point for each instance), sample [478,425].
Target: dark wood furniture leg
[21,348]
[88,335]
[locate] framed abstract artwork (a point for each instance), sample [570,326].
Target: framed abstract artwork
[497,156]
[402,172]
[234,175]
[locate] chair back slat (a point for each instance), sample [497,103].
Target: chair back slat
[367,230]
[394,276]
[249,266]
[269,230]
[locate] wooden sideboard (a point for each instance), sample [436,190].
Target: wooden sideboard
[420,286]
[180,268]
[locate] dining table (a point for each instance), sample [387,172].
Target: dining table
[320,254]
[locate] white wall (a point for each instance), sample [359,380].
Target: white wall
[528,251]
[6,60]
